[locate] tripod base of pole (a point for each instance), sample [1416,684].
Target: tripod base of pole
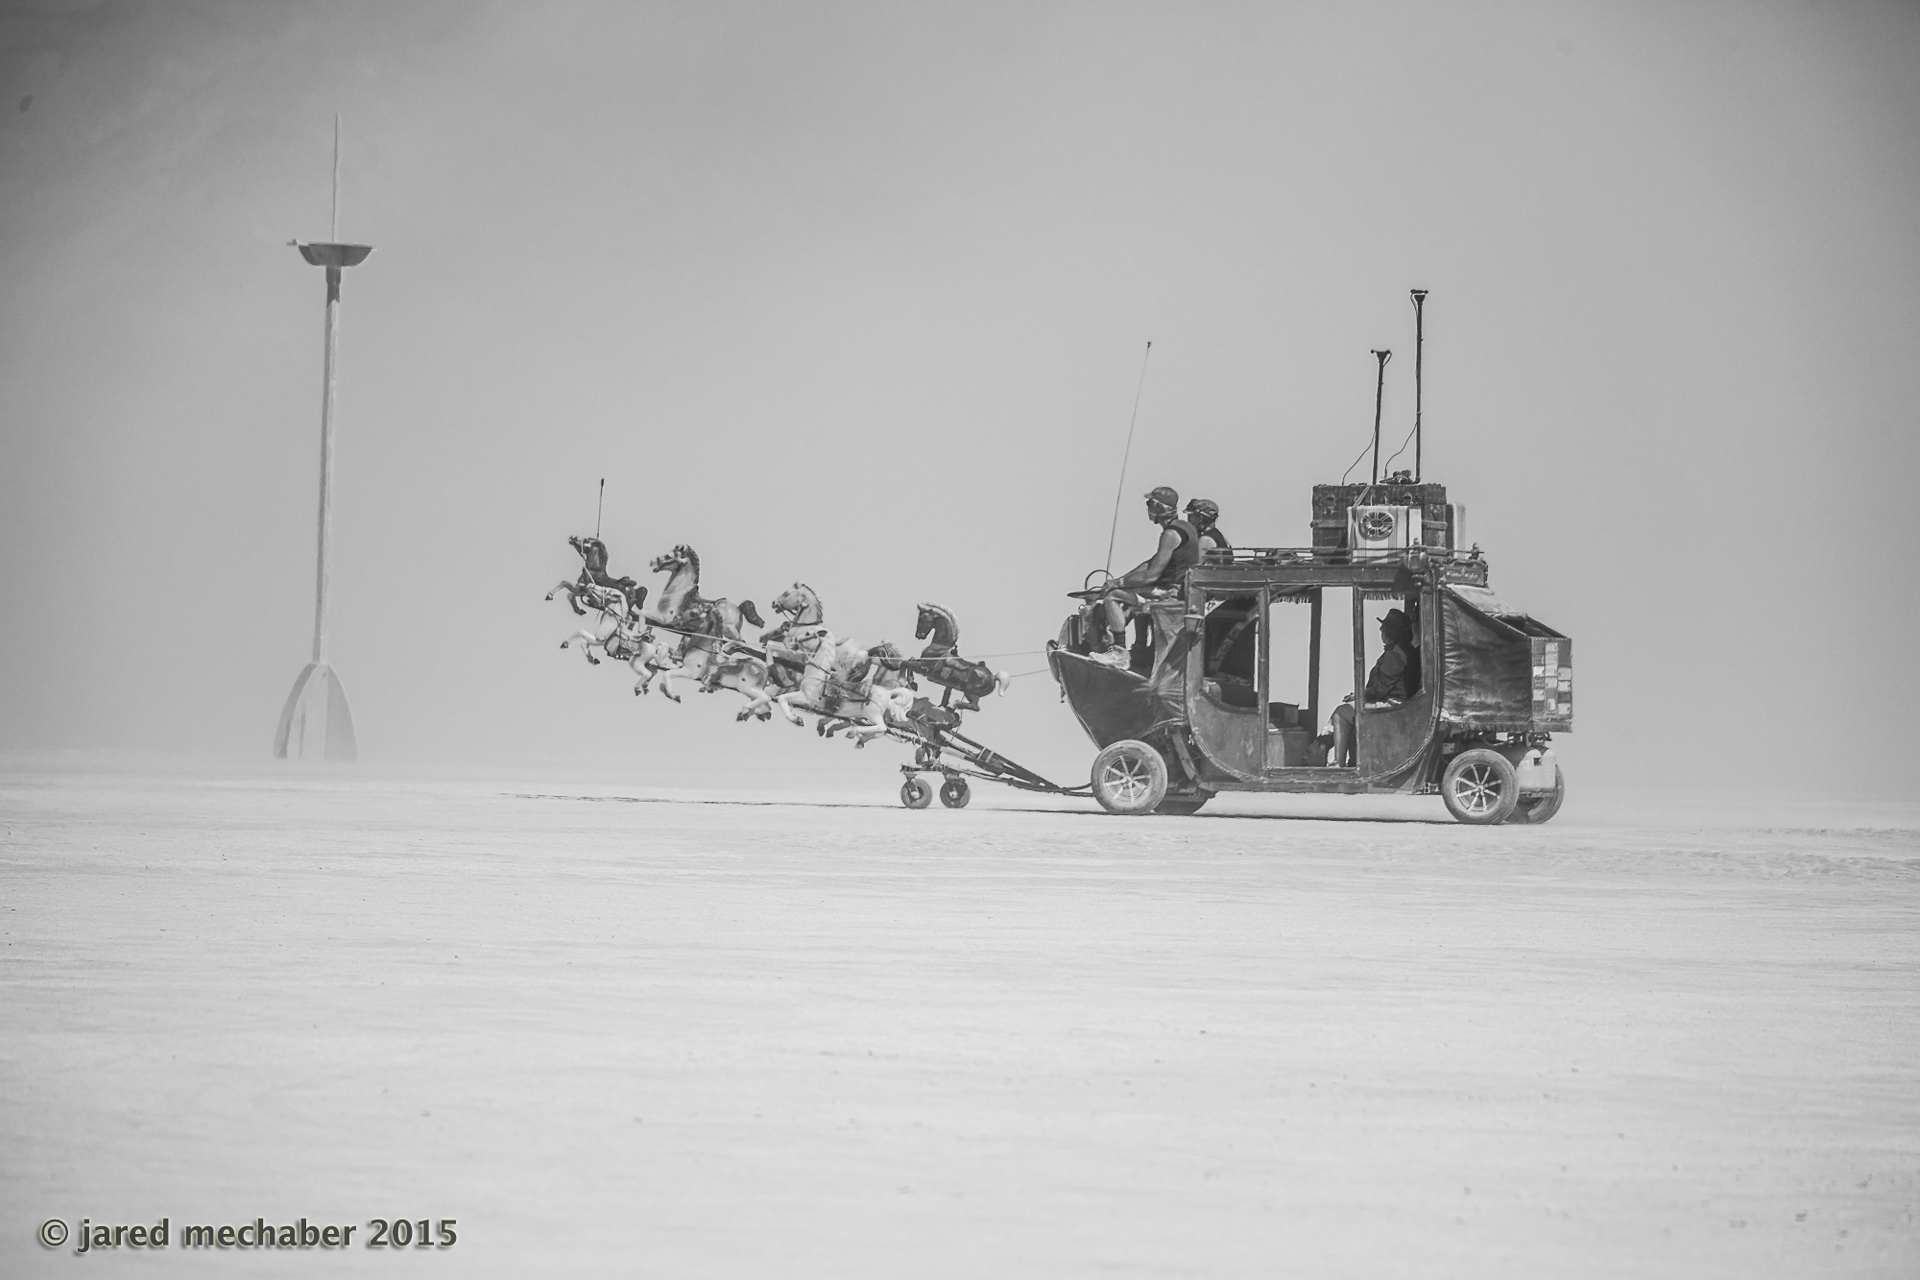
[316,723]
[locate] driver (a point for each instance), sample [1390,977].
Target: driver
[1178,551]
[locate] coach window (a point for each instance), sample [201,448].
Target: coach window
[1231,658]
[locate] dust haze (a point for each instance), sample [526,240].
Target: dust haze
[858,295]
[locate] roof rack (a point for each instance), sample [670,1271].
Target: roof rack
[1326,555]
[1469,567]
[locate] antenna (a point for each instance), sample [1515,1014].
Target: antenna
[333,227]
[602,507]
[1419,337]
[1379,393]
[1114,532]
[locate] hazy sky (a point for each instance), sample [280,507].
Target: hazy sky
[858,294]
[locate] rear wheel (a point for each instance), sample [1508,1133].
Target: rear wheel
[954,793]
[1540,806]
[915,793]
[1181,806]
[1129,778]
[1480,788]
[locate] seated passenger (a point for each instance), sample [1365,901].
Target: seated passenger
[1165,570]
[1387,683]
[1201,513]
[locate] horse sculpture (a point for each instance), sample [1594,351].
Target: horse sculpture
[595,582]
[623,636]
[847,686]
[941,663]
[709,652]
[805,667]
[621,630]
[681,605]
[723,666]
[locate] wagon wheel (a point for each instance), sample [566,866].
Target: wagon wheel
[1480,787]
[1540,806]
[1181,806]
[954,793]
[1129,777]
[915,793]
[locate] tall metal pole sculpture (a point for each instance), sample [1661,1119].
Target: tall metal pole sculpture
[316,721]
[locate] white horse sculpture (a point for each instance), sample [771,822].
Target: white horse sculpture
[623,637]
[681,605]
[613,630]
[723,665]
[846,685]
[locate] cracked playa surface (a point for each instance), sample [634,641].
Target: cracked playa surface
[645,1032]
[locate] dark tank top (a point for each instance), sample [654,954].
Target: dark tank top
[1184,556]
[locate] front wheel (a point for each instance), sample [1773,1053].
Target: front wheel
[954,793]
[1539,806]
[1129,778]
[1480,788]
[915,793]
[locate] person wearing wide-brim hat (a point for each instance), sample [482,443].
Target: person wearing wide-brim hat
[1387,684]
[1177,552]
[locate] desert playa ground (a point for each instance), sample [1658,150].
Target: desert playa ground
[624,1031]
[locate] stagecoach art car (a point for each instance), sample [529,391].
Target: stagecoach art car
[1220,689]
[1201,706]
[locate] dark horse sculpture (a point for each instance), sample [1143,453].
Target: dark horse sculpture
[941,663]
[595,579]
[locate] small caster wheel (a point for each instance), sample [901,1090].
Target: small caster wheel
[954,793]
[915,793]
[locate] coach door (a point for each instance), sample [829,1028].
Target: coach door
[1227,681]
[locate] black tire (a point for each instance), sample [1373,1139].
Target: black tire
[1480,787]
[1540,806]
[1181,806]
[1129,778]
[954,793]
[915,793]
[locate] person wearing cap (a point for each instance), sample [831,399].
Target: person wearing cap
[1177,552]
[1201,514]
[1388,683]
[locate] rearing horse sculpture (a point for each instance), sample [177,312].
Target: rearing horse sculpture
[621,632]
[595,581]
[707,655]
[681,605]
[941,663]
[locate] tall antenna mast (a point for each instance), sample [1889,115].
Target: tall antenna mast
[1119,489]
[333,224]
[1419,339]
[1379,394]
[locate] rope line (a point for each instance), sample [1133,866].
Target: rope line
[1402,449]
[1355,462]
